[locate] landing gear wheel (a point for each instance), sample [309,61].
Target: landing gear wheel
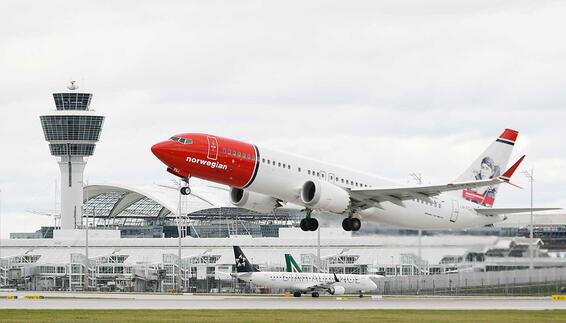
[315,294]
[356,224]
[351,224]
[185,190]
[347,224]
[304,225]
[309,224]
[312,224]
[361,295]
[296,294]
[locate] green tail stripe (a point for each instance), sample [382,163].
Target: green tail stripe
[292,264]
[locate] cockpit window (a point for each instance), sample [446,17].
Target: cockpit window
[184,141]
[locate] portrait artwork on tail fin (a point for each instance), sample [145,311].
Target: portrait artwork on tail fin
[484,195]
[487,166]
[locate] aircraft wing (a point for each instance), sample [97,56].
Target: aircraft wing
[372,196]
[319,287]
[498,211]
[322,287]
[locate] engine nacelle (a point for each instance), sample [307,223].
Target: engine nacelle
[325,196]
[253,201]
[337,290]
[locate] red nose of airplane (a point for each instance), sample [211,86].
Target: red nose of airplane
[162,151]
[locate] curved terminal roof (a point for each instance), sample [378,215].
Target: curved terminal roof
[118,200]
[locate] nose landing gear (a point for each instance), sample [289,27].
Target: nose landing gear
[308,223]
[185,190]
[351,224]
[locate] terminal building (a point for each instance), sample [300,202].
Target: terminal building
[153,264]
[116,237]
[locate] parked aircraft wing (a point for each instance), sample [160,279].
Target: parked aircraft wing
[320,287]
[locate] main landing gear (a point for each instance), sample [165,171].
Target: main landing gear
[351,224]
[186,190]
[297,294]
[308,223]
[315,294]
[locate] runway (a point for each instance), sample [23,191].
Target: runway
[160,301]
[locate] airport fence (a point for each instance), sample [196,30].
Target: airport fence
[542,281]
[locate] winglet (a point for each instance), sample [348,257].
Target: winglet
[507,175]
[336,278]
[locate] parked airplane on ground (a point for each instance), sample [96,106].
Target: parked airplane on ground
[304,283]
[262,179]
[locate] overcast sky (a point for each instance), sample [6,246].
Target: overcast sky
[387,87]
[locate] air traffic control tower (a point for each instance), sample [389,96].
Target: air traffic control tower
[72,132]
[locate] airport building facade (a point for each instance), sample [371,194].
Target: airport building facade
[153,264]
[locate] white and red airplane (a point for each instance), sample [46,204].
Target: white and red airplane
[262,179]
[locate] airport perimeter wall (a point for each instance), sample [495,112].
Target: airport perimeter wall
[511,282]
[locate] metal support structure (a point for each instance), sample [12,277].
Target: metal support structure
[179,251]
[419,178]
[318,249]
[0,223]
[87,265]
[531,176]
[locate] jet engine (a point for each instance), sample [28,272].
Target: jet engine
[325,196]
[253,201]
[337,290]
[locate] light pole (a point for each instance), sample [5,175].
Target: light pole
[0,224]
[531,176]
[85,213]
[419,178]
[179,239]
[318,249]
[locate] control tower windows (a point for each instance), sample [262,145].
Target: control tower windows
[72,101]
[63,128]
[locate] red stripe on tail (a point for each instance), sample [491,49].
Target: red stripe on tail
[509,134]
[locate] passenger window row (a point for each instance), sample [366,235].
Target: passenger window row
[435,204]
[239,154]
[278,164]
[314,173]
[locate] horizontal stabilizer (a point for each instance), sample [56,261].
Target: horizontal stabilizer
[499,211]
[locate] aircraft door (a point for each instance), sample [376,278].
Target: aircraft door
[455,211]
[212,148]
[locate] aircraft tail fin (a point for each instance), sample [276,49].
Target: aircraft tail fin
[292,266]
[488,165]
[242,263]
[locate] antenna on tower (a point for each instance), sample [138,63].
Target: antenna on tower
[73,86]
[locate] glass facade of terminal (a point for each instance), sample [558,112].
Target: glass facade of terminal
[72,101]
[62,128]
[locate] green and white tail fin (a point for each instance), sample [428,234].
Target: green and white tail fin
[292,266]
